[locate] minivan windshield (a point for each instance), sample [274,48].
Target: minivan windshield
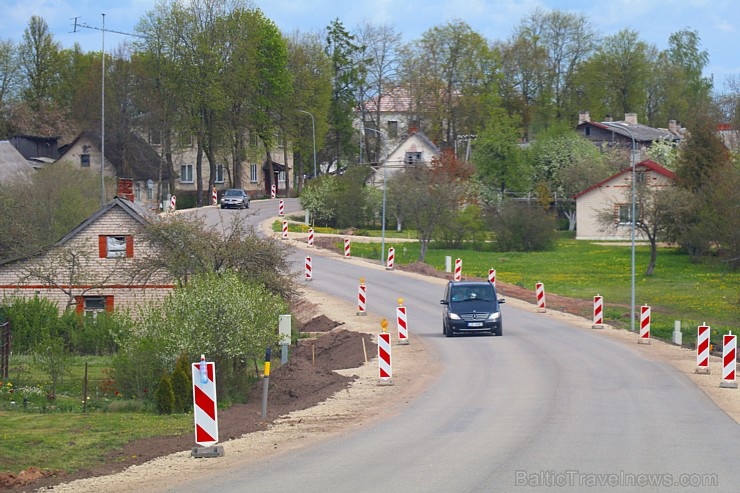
[471,293]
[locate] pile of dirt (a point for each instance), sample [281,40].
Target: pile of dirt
[321,323]
[305,380]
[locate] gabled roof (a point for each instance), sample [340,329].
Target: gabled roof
[648,164]
[13,166]
[425,140]
[397,100]
[641,133]
[134,210]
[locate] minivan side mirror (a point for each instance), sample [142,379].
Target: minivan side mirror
[501,299]
[443,302]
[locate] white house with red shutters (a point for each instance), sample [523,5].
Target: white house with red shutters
[90,269]
[615,194]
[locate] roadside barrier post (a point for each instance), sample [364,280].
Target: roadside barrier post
[729,363]
[361,298]
[385,369]
[492,276]
[173,203]
[347,247]
[205,409]
[458,270]
[214,196]
[644,325]
[273,192]
[540,295]
[281,207]
[309,269]
[266,381]
[285,230]
[702,349]
[310,237]
[391,258]
[598,312]
[402,323]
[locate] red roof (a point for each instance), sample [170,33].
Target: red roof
[651,165]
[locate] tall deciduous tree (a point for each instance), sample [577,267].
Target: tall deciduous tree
[497,157]
[39,57]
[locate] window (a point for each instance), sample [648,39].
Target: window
[413,158]
[155,137]
[184,139]
[281,176]
[85,160]
[624,213]
[640,177]
[586,131]
[137,191]
[253,173]
[115,246]
[186,173]
[392,129]
[92,305]
[219,173]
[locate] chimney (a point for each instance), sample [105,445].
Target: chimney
[583,117]
[608,118]
[630,118]
[126,189]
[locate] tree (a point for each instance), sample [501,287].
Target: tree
[497,156]
[39,58]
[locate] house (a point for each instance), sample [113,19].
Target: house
[415,150]
[13,166]
[621,133]
[36,148]
[615,193]
[133,159]
[90,268]
[394,109]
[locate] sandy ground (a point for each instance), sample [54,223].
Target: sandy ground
[366,399]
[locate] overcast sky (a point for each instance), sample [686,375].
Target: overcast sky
[717,21]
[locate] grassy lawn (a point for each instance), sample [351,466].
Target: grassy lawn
[678,290]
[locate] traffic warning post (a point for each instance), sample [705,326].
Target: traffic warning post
[539,290]
[385,370]
[402,323]
[205,409]
[729,361]
[644,325]
[598,312]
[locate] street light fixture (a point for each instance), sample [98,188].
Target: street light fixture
[382,219]
[313,133]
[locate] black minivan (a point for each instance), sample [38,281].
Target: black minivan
[471,307]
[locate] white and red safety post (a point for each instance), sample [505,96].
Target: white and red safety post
[285,230]
[457,276]
[644,325]
[173,203]
[385,368]
[539,291]
[214,197]
[492,276]
[281,207]
[362,297]
[204,402]
[702,349]
[310,237]
[273,192]
[309,269]
[598,312]
[391,258]
[729,361]
[402,323]
[347,247]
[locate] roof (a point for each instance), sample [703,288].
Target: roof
[13,166]
[397,100]
[640,132]
[425,140]
[137,212]
[651,165]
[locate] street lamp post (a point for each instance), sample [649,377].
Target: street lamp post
[632,231]
[313,134]
[382,218]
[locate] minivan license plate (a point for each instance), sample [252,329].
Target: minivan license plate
[475,324]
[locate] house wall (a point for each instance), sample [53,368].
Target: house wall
[83,145]
[111,273]
[395,160]
[604,198]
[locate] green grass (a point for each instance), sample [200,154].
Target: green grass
[296,225]
[678,290]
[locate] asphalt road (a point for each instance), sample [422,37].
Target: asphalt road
[546,407]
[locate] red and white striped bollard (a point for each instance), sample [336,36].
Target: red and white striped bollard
[402,323]
[644,325]
[361,297]
[281,207]
[347,247]
[729,361]
[385,367]
[598,312]
[309,269]
[310,237]
[492,276]
[173,203]
[457,276]
[273,192]
[391,258]
[214,196]
[205,406]
[702,349]
[285,230]
[539,291]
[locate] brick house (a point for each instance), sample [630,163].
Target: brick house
[616,193]
[90,269]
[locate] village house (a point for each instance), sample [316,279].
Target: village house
[615,195]
[90,269]
[414,150]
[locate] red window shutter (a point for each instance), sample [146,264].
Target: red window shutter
[80,306]
[102,246]
[109,304]
[129,246]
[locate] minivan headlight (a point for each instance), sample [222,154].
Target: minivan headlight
[494,316]
[453,316]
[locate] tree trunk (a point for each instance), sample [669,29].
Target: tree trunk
[653,257]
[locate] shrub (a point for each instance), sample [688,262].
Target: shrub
[522,228]
[182,384]
[164,397]
[32,320]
